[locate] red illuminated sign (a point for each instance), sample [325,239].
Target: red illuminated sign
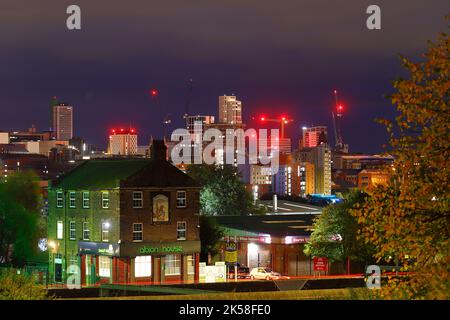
[320,264]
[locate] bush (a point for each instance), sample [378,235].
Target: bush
[15,286]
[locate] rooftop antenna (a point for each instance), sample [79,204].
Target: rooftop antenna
[188,99]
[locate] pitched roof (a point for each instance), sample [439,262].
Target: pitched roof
[98,174]
[114,173]
[275,225]
[159,173]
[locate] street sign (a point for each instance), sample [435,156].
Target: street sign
[320,264]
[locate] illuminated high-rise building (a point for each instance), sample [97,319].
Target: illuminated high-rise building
[313,136]
[230,110]
[196,126]
[62,121]
[123,142]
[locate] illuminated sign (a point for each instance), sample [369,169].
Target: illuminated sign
[98,248]
[162,249]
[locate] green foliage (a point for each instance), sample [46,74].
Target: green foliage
[223,192]
[15,286]
[210,235]
[410,216]
[336,220]
[20,202]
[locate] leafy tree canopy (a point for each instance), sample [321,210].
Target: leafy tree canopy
[20,203]
[335,232]
[410,217]
[223,192]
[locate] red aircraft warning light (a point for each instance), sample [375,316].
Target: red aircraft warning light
[154,92]
[283,120]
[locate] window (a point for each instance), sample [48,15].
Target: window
[190,264]
[86,230]
[71,199]
[137,232]
[181,230]
[86,200]
[72,230]
[105,200]
[181,199]
[105,231]
[59,230]
[173,264]
[59,199]
[104,266]
[137,199]
[143,266]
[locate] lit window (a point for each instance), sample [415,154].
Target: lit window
[143,266]
[72,230]
[181,199]
[86,230]
[59,230]
[105,231]
[104,266]
[137,232]
[86,199]
[173,264]
[137,199]
[59,199]
[190,264]
[71,199]
[181,230]
[105,200]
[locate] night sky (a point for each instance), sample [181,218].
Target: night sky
[278,57]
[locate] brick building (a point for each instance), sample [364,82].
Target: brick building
[124,220]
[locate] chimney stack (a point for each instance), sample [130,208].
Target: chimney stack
[158,150]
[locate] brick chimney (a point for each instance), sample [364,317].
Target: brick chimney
[158,150]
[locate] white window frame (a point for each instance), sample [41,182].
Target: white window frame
[138,231]
[175,269]
[59,199]
[141,199]
[86,198]
[105,231]
[190,261]
[143,266]
[180,229]
[179,192]
[104,266]
[105,200]
[86,230]
[59,230]
[72,228]
[72,199]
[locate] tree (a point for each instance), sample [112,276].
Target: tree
[15,286]
[335,232]
[19,214]
[210,235]
[223,192]
[409,218]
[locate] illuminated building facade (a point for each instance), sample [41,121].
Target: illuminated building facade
[124,220]
[230,110]
[123,142]
[63,121]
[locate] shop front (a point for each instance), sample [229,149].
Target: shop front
[282,254]
[143,262]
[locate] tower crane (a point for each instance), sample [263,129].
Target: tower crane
[338,109]
[282,121]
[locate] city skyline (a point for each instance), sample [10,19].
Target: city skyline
[281,66]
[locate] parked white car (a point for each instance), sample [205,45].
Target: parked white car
[264,274]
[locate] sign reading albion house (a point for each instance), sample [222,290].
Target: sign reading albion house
[139,249]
